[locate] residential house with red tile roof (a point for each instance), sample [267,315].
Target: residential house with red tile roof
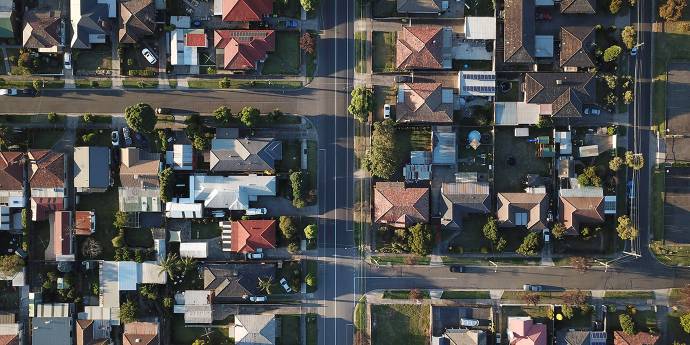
[400,206]
[141,333]
[581,206]
[92,332]
[639,338]
[242,49]
[523,331]
[41,207]
[249,235]
[11,177]
[10,329]
[137,19]
[423,47]
[47,181]
[242,10]
[424,103]
[84,223]
[61,236]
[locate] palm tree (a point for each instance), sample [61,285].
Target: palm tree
[169,265]
[265,284]
[186,264]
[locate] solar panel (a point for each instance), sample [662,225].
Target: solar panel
[474,76]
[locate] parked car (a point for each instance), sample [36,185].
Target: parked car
[469,322]
[633,51]
[149,56]
[546,235]
[285,285]
[28,92]
[127,135]
[529,287]
[498,338]
[163,111]
[592,111]
[258,299]
[115,138]
[543,15]
[457,269]
[386,111]
[255,211]
[403,79]
[68,60]
[8,92]
[254,256]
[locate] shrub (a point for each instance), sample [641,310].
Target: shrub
[87,118]
[52,117]
[297,183]
[211,70]
[166,183]
[634,161]
[224,83]
[625,228]
[307,43]
[311,231]
[627,324]
[118,241]
[628,36]
[310,280]
[141,117]
[10,264]
[383,159]
[249,116]
[628,97]
[287,227]
[529,245]
[361,103]
[611,99]
[615,6]
[223,115]
[685,322]
[490,229]
[611,53]
[128,311]
[558,230]
[88,137]
[420,240]
[293,248]
[589,177]
[611,81]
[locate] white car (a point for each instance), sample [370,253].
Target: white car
[115,138]
[469,322]
[68,60]
[258,299]
[254,256]
[8,92]
[255,211]
[285,285]
[149,56]
[386,111]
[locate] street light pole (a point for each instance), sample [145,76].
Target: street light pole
[495,266]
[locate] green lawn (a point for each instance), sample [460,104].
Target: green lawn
[313,269]
[629,294]
[511,95]
[400,260]
[383,51]
[360,317]
[289,330]
[105,205]
[400,324]
[205,231]
[658,190]
[675,36]
[674,255]
[312,329]
[101,137]
[484,262]
[49,83]
[184,335]
[312,168]
[403,294]
[44,139]
[508,178]
[644,320]
[360,52]
[99,56]
[88,83]
[579,320]
[286,59]
[465,295]
[245,84]
[291,156]
[472,239]
[38,248]
[140,83]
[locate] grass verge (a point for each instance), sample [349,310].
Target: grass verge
[400,324]
[465,295]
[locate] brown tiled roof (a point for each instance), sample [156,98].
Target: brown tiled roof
[243,49]
[580,209]
[400,206]
[639,338]
[82,223]
[62,233]
[84,332]
[246,10]
[137,19]
[462,198]
[43,30]
[565,92]
[140,333]
[576,42]
[518,31]
[579,6]
[534,205]
[11,171]
[423,102]
[137,171]
[249,235]
[47,169]
[9,339]
[43,206]
[419,47]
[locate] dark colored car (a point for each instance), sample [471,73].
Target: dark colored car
[28,92]
[457,269]
[403,79]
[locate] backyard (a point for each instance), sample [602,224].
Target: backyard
[105,205]
[673,35]
[514,159]
[383,54]
[203,231]
[384,8]
[184,335]
[90,61]
[286,59]
[471,159]
[645,320]
[472,240]
[289,330]
[400,324]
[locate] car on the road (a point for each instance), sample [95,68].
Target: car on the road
[633,51]
[457,269]
[469,322]
[592,111]
[255,211]
[285,285]
[163,111]
[254,256]
[126,133]
[546,235]
[386,111]
[115,138]
[8,92]
[149,56]
[403,79]
[28,92]
[68,60]
[530,287]
[258,299]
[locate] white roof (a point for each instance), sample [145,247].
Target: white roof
[515,113]
[182,157]
[480,28]
[127,275]
[230,192]
[198,314]
[151,273]
[52,310]
[197,250]
[183,210]
[589,151]
[98,313]
[197,297]
[521,132]
[443,147]
[477,83]
[180,22]
[180,53]
[109,289]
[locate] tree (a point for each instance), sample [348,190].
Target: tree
[169,265]
[293,247]
[574,297]
[634,161]
[415,294]
[531,298]
[141,117]
[361,103]
[87,117]
[580,263]
[249,116]
[628,96]
[501,244]
[265,284]
[52,117]
[307,43]
[420,240]
[309,5]
[200,342]
[589,177]
[611,81]
[310,280]
[200,142]
[611,53]
[166,183]
[490,229]
[223,115]
[558,230]
[628,35]
[529,245]
[37,84]
[118,241]
[685,322]
[626,230]
[615,163]
[627,324]
[287,227]
[297,183]
[276,114]
[149,291]
[383,159]
[615,6]
[224,83]
[10,264]
[128,311]
[672,10]
[567,311]
[310,231]
[91,248]
[168,302]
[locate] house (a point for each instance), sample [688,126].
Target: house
[141,333]
[92,21]
[423,47]
[227,192]
[399,206]
[195,305]
[639,338]
[248,236]
[10,329]
[42,31]
[242,49]
[523,331]
[576,45]
[421,6]
[574,337]
[518,32]
[578,7]
[139,180]
[61,235]
[230,153]
[480,28]
[181,158]
[184,45]
[6,19]
[522,209]
[116,276]
[477,83]
[137,20]
[51,330]
[462,198]
[42,207]
[584,205]
[242,10]
[196,250]
[255,329]
[84,223]
[463,336]
[424,103]
[46,171]
[179,210]
[91,169]
[12,179]
[516,113]
[233,282]
[92,332]
[560,94]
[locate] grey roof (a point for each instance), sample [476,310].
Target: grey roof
[465,336]
[566,92]
[419,6]
[256,154]
[232,281]
[579,6]
[6,6]
[570,337]
[51,330]
[91,167]
[518,31]
[576,43]
[462,198]
[93,20]
[255,329]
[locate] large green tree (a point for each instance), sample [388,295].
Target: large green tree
[223,115]
[490,229]
[529,245]
[383,160]
[11,264]
[309,5]
[287,227]
[128,311]
[141,117]
[361,103]
[420,239]
[625,228]
[627,324]
[611,53]
[249,116]
[685,322]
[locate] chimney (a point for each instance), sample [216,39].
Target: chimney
[137,340]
